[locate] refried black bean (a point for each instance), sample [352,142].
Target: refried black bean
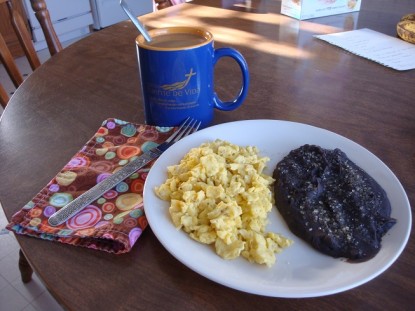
[330,202]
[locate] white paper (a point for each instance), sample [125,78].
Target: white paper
[378,47]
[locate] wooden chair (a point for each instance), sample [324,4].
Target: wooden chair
[42,15]
[25,41]
[162,4]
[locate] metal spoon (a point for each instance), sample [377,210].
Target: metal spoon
[135,21]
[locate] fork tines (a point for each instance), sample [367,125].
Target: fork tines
[189,126]
[192,126]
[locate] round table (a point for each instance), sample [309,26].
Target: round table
[294,77]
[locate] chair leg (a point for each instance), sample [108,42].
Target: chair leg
[25,268]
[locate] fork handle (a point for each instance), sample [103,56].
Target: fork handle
[99,189]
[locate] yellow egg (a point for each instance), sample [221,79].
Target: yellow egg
[219,195]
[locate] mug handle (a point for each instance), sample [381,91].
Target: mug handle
[231,105]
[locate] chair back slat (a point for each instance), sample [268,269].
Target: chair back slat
[42,15]
[24,37]
[9,64]
[4,97]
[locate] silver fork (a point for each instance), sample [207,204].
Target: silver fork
[72,208]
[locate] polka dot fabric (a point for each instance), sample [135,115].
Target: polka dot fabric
[115,221]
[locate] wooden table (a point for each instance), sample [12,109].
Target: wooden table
[293,77]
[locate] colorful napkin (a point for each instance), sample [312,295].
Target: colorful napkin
[115,221]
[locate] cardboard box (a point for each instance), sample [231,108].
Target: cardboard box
[306,9]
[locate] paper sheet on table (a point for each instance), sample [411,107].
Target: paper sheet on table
[378,47]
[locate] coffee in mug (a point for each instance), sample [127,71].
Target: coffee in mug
[176,40]
[176,72]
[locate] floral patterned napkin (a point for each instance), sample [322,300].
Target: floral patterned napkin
[115,221]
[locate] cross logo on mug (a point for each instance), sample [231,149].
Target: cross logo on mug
[176,72]
[179,85]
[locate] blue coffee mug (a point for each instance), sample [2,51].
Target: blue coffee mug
[176,72]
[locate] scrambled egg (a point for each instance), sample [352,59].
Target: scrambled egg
[219,195]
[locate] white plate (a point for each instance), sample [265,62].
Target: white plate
[300,271]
